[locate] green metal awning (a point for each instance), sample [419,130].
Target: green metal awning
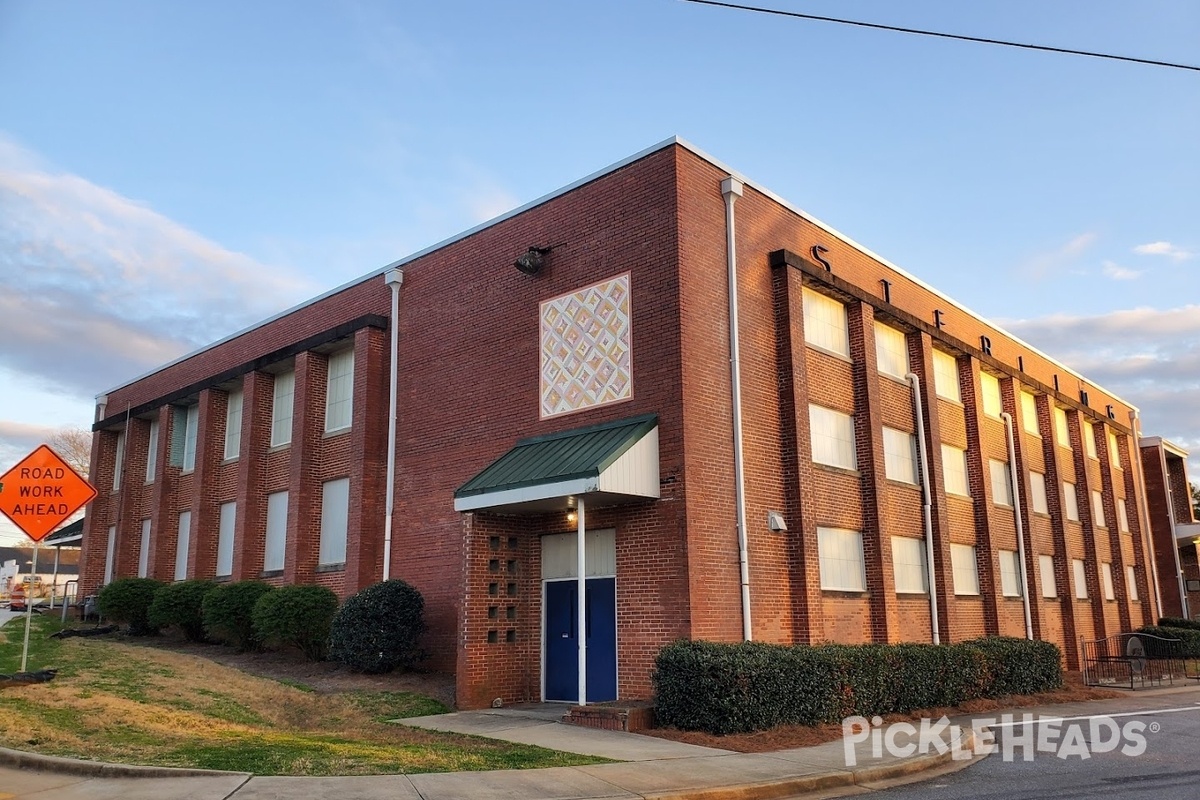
[611,463]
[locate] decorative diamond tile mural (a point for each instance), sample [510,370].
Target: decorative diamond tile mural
[585,348]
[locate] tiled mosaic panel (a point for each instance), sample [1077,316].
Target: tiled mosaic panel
[585,348]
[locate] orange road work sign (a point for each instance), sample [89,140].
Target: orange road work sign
[41,491]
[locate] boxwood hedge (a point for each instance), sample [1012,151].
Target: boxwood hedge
[1179,622]
[1189,638]
[179,604]
[128,600]
[738,688]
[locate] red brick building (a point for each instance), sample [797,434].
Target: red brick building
[1173,526]
[592,388]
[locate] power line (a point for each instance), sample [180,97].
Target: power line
[959,37]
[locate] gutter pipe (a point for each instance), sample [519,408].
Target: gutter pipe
[394,278]
[926,504]
[1016,498]
[731,188]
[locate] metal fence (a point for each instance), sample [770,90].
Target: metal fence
[1133,660]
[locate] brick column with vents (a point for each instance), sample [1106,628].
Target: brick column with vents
[868,430]
[202,544]
[1108,499]
[807,612]
[304,487]
[250,519]
[1094,554]
[1010,395]
[163,523]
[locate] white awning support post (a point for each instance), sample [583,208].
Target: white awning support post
[581,591]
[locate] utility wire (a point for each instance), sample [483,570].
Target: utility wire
[959,37]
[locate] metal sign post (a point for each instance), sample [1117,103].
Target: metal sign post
[29,608]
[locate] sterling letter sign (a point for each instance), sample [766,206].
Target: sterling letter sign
[41,491]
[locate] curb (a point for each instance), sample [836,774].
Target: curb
[821,781]
[21,759]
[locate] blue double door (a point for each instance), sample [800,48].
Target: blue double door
[562,639]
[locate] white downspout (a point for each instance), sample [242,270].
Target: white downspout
[926,504]
[1183,598]
[394,278]
[581,591]
[731,188]
[1016,498]
[1144,508]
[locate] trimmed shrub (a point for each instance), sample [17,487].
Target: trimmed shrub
[1019,666]
[228,612]
[1179,622]
[298,616]
[179,604]
[128,600]
[1189,638]
[377,629]
[739,688]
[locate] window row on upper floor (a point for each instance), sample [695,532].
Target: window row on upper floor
[826,327]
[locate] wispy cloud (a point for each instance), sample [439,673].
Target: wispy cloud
[1118,273]
[99,287]
[1163,249]
[1150,357]
[1045,265]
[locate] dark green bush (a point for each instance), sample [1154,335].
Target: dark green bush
[128,600]
[737,688]
[377,629]
[228,612]
[1019,666]
[298,616]
[1179,622]
[1189,646]
[179,604]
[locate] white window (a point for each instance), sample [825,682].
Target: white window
[945,376]
[825,323]
[144,550]
[1029,415]
[1114,451]
[1080,578]
[1131,583]
[1037,490]
[110,554]
[908,565]
[233,424]
[1088,432]
[335,508]
[1010,574]
[119,461]
[276,543]
[900,455]
[1046,567]
[891,351]
[191,423]
[1071,501]
[842,567]
[1001,483]
[152,452]
[182,544]
[1106,578]
[281,409]
[966,575]
[225,540]
[832,437]
[992,404]
[339,392]
[1061,432]
[1122,516]
[954,470]
[1098,510]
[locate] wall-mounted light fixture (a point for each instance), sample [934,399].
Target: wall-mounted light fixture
[572,516]
[531,261]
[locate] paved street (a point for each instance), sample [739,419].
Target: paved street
[1168,769]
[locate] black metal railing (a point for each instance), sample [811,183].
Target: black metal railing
[1132,659]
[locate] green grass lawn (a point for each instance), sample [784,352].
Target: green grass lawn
[117,701]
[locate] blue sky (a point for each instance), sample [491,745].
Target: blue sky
[170,172]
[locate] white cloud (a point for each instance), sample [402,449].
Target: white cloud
[1118,273]
[1044,265]
[1163,249]
[99,287]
